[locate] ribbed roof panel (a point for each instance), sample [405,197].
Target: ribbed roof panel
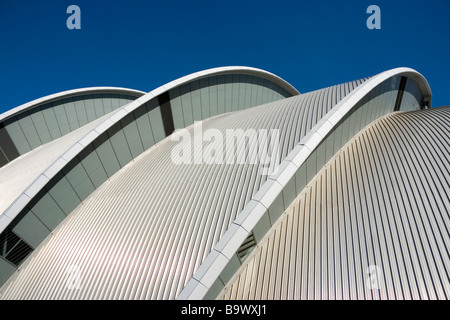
[17,175]
[373,224]
[144,232]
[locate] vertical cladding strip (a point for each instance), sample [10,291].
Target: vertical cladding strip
[437,241]
[382,168]
[8,150]
[401,89]
[166,113]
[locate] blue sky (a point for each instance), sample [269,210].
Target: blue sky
[145,44]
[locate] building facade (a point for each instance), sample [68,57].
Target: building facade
[351,204]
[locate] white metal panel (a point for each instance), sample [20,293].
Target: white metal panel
[371,205]
[152,226]
[19,174]
[372,103]
[188,216]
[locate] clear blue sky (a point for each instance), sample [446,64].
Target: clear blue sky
[145,44]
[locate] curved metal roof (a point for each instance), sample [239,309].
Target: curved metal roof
[373,224]
[66,94]
[148,242]
[151,212]
[357,109]
[19,174]
[115,117]
[138,122]
[41,121]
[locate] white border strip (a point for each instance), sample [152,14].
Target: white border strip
[67,94]
[212,267]
[39,183]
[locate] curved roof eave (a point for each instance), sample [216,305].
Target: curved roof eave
[214,71]
[216,262]
[376,155]
[41,181]
[66,94]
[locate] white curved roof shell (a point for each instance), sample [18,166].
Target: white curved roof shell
[372,224]
[120,137]
[159,230]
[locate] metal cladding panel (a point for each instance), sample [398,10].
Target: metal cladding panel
[145,232]
[186,103]
[20,141]
[123,141]
[52,123]
[411,97]
[63,121]
[132,136]
[373,224]
[28,128]
[206,95]
[107,103]
[69,108]
[156,123]
[94,168]
[80,110]
[41,127]
[48,212]
[6,269]
[17,175]
[143,125]
[32,230]
[177,109]
[119,144]
[90,108]
[45,121]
